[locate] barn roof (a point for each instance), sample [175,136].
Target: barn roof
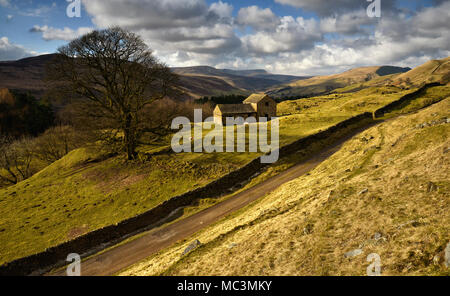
[235,108]
[255,98]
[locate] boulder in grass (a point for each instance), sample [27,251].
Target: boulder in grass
[191,247]
[353,253]
[364,191]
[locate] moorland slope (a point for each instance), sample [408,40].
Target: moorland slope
[385,192]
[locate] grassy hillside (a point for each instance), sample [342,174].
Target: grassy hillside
[432,71]
[86,190]
[245,81]
[28,75]
[386,192]
[196,86]
[321,84]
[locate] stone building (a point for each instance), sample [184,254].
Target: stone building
[257,105]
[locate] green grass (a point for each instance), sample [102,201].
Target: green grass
[269,234]
[83,191]
[73,196]
[429,97]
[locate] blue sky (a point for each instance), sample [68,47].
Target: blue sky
[283,36]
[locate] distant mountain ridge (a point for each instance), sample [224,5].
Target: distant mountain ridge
[243,80]
[28,75]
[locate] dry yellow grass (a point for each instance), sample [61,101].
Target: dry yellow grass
[348,77]
[432,71]
[306,226]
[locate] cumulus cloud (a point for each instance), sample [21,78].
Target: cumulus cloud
[10,51]
[171,26]
[66,34]
[327,7]
[193,32]
[353,22]
[403,41]
[223,10]
[150,14]
[290,35]
[257,18]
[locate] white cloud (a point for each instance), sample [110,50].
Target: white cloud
[4,3]
[171,26]
[66,34]
[150,14]
[192,32]
[10,51]
[290,35]
[257,18]
[353,22]
[223,10]
[334,7]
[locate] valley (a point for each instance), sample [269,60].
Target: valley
[87,190]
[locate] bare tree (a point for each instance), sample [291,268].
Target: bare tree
[117,75]
[56,142]
[15,159]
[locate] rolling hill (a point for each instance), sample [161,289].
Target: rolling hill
[25,75]
[87,190]
[323,84]
[386,191]
[243,81]
[28,75]
[432,71]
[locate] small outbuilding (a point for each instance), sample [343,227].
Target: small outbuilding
[256,105]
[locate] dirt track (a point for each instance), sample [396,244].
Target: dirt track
[125,255]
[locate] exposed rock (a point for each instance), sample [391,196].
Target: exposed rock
[364,191]
[377,236]
[232,245]
[353,253]
[191,247]
[407,223]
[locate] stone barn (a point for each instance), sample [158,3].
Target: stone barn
[257,105]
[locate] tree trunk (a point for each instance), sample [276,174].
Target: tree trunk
[129,138]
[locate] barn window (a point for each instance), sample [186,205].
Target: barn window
[267,104]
